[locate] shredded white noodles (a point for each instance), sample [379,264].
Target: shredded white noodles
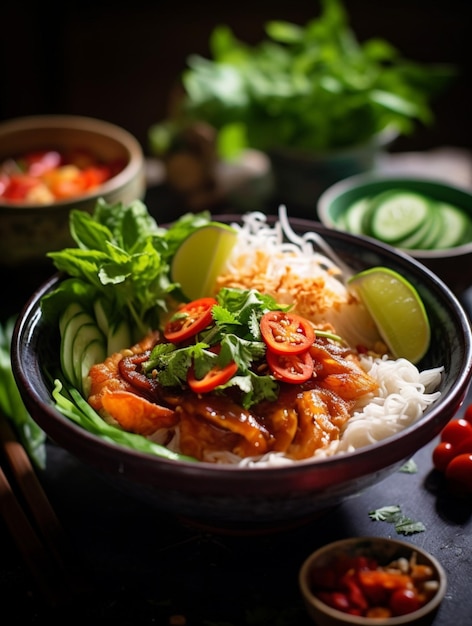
[290,267]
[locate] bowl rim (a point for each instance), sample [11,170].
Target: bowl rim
[253,478]
[134,167]
[359,180]
[350,542]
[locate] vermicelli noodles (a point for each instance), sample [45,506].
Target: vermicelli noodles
[382,395]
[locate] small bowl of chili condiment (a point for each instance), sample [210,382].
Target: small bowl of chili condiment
[369,581]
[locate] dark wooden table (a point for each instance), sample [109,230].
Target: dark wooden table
[144,567]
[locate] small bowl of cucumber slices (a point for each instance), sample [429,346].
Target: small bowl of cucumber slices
[429,219]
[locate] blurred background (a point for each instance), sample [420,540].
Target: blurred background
[119,61]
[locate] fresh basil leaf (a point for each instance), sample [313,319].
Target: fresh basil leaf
[87,232]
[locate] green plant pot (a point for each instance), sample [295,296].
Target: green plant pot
[299,178]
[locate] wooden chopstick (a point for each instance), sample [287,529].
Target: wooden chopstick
[33,522]
[29,544]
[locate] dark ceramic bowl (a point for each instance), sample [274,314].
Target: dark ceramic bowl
[227,496]
[452,265]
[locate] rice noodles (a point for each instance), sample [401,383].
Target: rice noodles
[305,271]
[273,259]
[382,395]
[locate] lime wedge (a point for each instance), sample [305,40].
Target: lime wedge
[397,310]
[201,257]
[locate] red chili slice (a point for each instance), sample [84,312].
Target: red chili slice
[290,368]
[286,333]
[189,320]
[216,376]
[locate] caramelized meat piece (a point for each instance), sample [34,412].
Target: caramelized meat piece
[136,414]
[206,422]
[316,409]
[339,370]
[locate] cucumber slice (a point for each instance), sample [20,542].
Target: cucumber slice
[71,327]
[100,315]
[85,336]
[355,217]
[415,240]
[457,226]
[397,214]
[94,352]
[118,337]
[435,230]
[70,311]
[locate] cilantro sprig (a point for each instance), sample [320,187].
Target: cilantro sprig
[393,514]
[236,331]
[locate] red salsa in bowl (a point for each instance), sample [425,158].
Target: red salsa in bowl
[48,175]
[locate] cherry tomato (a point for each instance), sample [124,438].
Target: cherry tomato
[189,320]
[290,368]
[453,453]
[468,414]
[404,601]
[459,470]
[286,333]
[335,599]
[216,376]
[443,453]
[456,431]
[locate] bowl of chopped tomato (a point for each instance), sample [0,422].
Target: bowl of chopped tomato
[372,580]
[51,164]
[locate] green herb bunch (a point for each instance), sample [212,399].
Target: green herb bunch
[311,88]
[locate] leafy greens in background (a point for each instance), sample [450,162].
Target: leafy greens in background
[31,436]
[313,87]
